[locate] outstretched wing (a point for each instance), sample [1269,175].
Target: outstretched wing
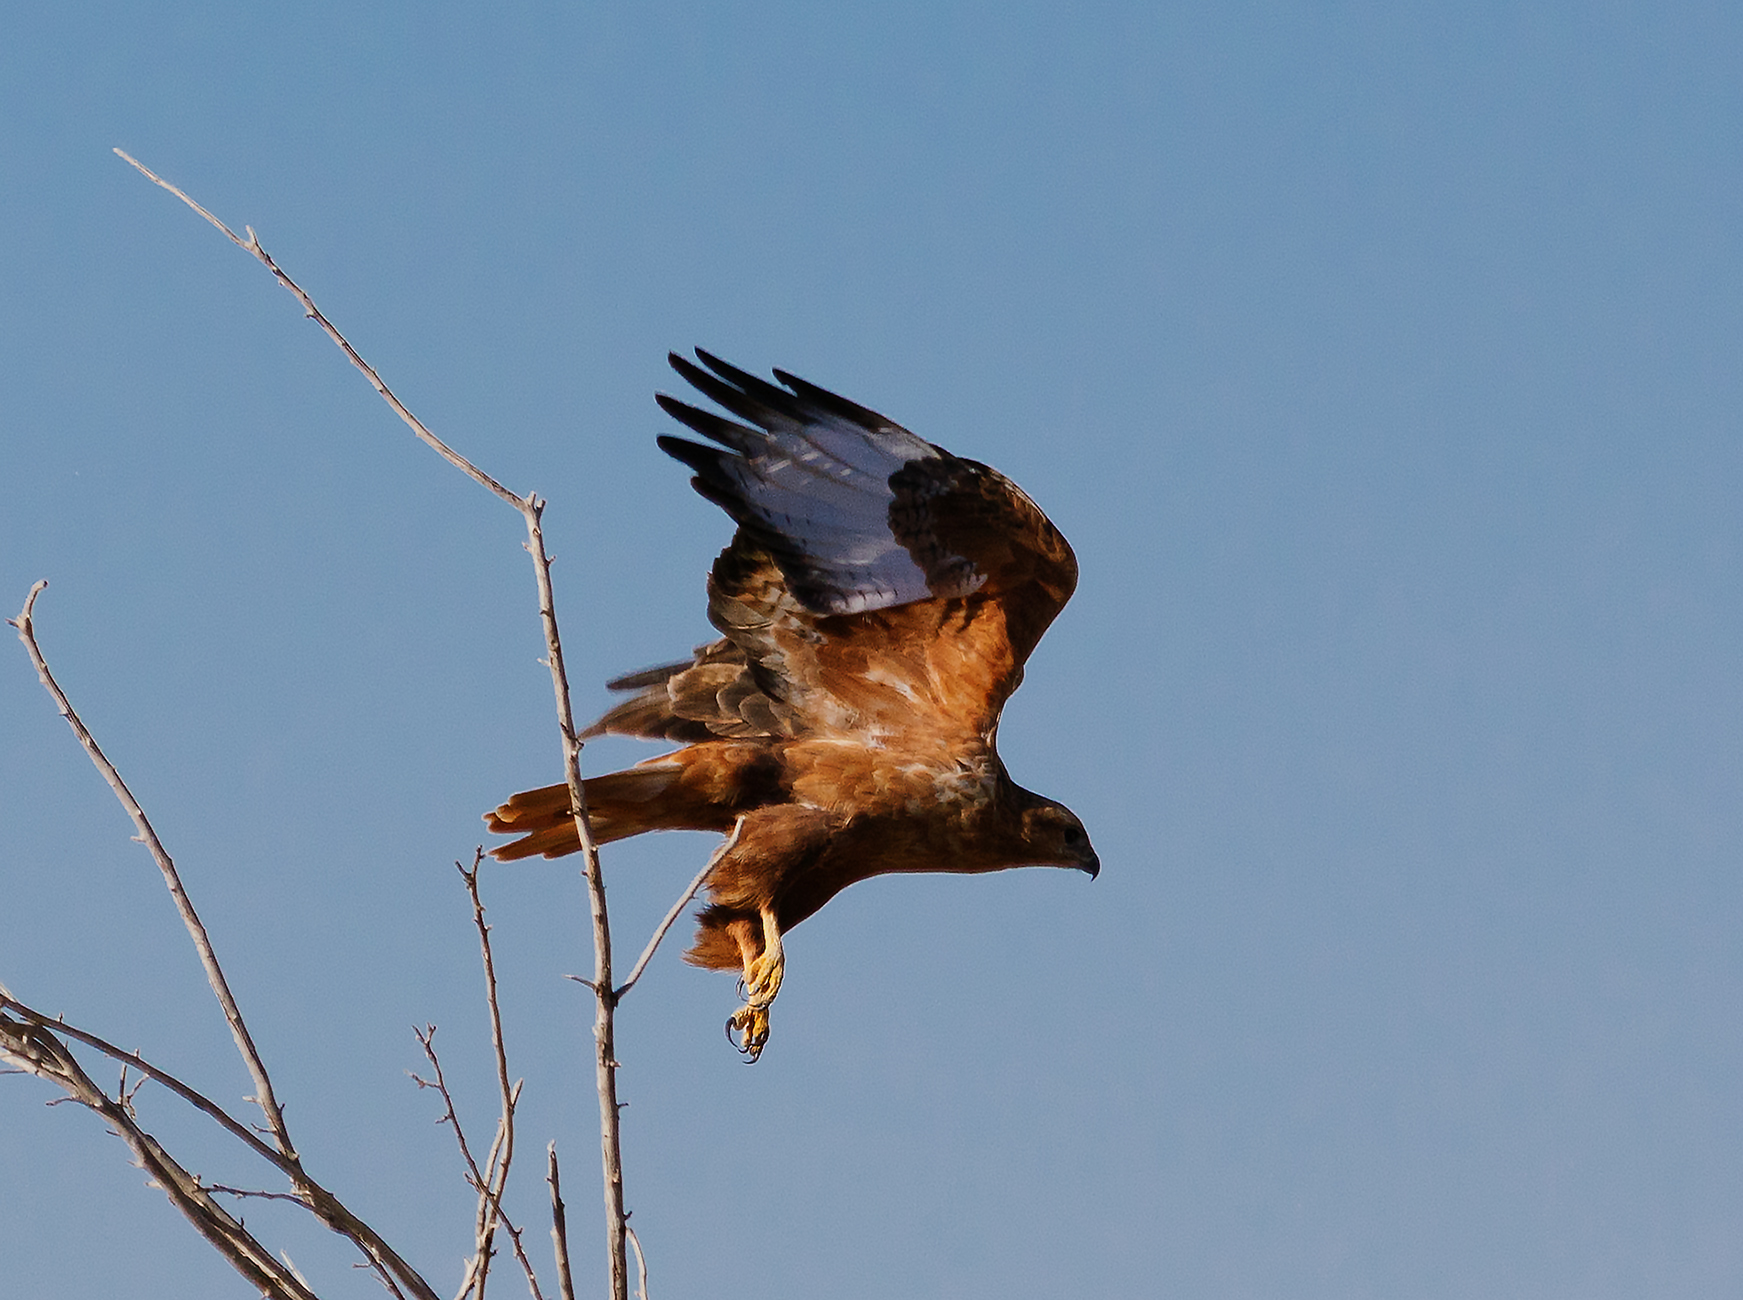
[876,581]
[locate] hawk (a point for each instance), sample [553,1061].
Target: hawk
[876,606]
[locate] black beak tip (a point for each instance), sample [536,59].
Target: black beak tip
[1092,866]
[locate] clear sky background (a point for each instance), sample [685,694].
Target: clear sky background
[1382,365]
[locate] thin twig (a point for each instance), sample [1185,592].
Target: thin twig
[501,1157]
[40,1053]
[479,1265]
[604,1031]
[532,509]
[641,1263]
[559,1226]
[252,245]
[250,1193]
[504,1088]
[677,907]
[198,1100]
[263,1095]
[378,1256]
[322,1203]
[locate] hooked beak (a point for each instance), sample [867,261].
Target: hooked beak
[1090,864]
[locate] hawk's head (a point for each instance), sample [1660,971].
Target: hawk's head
[1053,836]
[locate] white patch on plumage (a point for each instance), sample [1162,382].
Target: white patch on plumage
[898,682]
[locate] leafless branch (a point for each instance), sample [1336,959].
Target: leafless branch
[641,1263]
[559,1226]
[263,1095]
[36,1051]
[250,1193]
[490,1211]
[501,1155]
[309,1194]
[604,1001]
[531,508]
[322,1203]
[252,245]
[499,1164]
[146,1070]
[677,907]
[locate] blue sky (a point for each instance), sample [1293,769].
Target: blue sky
[1382,366]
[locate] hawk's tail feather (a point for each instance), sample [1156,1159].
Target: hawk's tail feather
[619,804]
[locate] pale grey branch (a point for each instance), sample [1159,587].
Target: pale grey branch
[532,509]
[559,1226]
[263,1095]
[37,1051]
[677,908]
[641,1263]
[252,245]
[322,1203]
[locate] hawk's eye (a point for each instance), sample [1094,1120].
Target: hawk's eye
[1074,836]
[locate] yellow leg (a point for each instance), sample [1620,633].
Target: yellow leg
[762,981]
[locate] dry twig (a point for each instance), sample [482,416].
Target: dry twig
[25,624]
[641,1263]
[252,245]
[496,1166]
[671,916]
[184,1190]
[531,508]
[559,1226]
[490,1205]
[29,1047]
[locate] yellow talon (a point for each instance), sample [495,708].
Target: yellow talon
[752,1026]
[760,984]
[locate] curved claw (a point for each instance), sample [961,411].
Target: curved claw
[752,1024]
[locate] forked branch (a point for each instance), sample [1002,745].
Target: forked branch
[184,905]
[27,1046]
[32,1046]
[531,508]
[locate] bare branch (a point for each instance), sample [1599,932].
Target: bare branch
[677,907]
[39,1052]
[252,245]
[322,1203]
[496,1168]
[427,1039]
[559,1227]
[478,1267]
[146,1070]
[250,1193]
[641,1263]
[605,1002]
[532,509]
[263,1095]
[378,1255]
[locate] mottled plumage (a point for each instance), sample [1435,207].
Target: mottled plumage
[875,608]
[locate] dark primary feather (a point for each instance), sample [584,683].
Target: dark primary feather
[842,513]
[810,482]
[859,513]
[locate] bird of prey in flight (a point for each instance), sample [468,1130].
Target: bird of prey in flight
[875,609]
